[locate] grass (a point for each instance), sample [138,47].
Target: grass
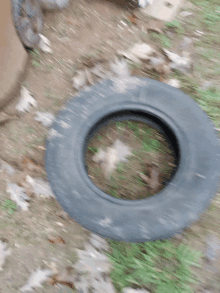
[160,266]
[161,40]
[163,266]
[176,25]
[35,58]
[9,206]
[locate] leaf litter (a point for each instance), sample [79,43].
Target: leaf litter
[40,187]
[5,167]
[4,252]
[36,280]
[96,264]
[26,101]
[45,44]
[18,195]
[46,118]
[110,157]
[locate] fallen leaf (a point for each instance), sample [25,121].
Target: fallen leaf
[120,68]
[144,3]
[142,51]
[26,101]
[110,162]
[5,167]
[153,180]
[4,252]
[144,177]
[46,118]
[79,80]
[45,44]
[99,71]
[185,13]
[36,280]
[132,18]
[90,61]
[173,82]
[56,240]
[18,195]
[98,242]
[92,261]
[123,150]
[99,156]
[89,76]
[181,63]
[159,65]
[40,187]
[156,26]
[138,52]
[154,176]
[29,165]
[60,280]
[62,215]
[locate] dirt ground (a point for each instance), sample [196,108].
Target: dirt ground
[125,181]
[86,29]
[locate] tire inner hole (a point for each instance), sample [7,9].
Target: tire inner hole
[130,155]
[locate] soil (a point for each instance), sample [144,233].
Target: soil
[148,147]
[96,30]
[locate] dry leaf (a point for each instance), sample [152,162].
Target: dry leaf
[45,118]
[159,65]
[45,44]
[56,240]
[29,165]
[89,76]
[156,26]
[79,80]
[62,215]
[4,252]
[181,63]
[99,71]
[173,82]
[98,242]
[144,3]
[59,279]
[110,162]
[120,68]
[99,156]
[153,180]
[154,176]
[123,150]
[26,100]
[92,261]
[5,167]
[144,177]
[18,195]
[138,52]
[40,187]
[36,280]
[185,13]
[132,18]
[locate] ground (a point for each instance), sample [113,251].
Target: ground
[98,30]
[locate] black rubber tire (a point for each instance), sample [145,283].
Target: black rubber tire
[161,216]
[54,4]
[28,20]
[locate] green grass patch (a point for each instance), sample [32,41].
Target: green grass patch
[160,266]
[9,206]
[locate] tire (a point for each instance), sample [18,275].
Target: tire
[165,214]
[54,4]
[28,20]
